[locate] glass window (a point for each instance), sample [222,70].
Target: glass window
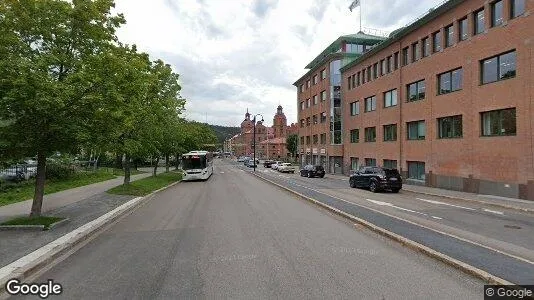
[450,81]
[323,74]
[355,108]
[396,60]
[436,41]
[384,66]
[302,105]
[308,121]
[302,140]
[308,102]
[450,127]
[370,103]
[323,138]
[463,33]
[314,79]
[353,81]
[354,135]
[426,47]
[416,91]
[375,71]
[405,56]
[349,82]
[369,73]
[301,88]
[370,162]
[302,123]
[308,84]
[499,122]
[517,8]
[390,132]
[354,163]
[390,164]
[390,66]
[449,36]
[479,21]
[497,13]
[315,100]
[416,170]
[323,117]
[498,67]
[415,52]
[358,79]
[323,95]
[416,130]
[390,98]
[370,134]
[314,119]
[308,140]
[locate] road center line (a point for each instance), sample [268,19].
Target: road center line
[394,206]
[493,211]
[443,203]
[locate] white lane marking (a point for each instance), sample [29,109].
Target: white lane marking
[443,203]
[222,172]
[438,218]
[394,206]
[493,211]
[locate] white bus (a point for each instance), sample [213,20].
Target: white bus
[197,165]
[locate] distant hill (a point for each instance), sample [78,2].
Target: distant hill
[225,132]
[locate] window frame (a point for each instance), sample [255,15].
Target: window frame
[450,72]
[415,51]
[390,132]
[405,56]
[449,35]
[498,71]
[417,94]
[454,130]
[354,135]
[354,108]
[426,47]
[500,112]
[436,47]
[475,21]
[371,98]
[513,14]
[368,137]
[418,164]
[461,29]
[411,123]
[493,21]
[385,94]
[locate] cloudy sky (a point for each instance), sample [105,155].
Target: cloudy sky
[237,54]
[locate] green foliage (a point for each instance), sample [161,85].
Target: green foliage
[292,144]
[147,185]
[224,132]
[59,171]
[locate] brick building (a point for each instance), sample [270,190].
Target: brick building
[447,100]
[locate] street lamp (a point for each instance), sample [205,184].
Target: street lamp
[254,137]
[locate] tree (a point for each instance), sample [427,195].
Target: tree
[292,144]
[45,101]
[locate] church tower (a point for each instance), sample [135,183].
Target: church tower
[247,124]
[280,123]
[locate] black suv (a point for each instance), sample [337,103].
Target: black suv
[268,163]
[312,171]
[376,179]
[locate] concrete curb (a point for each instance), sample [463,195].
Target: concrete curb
[402,240]
[501,205]
[40,258]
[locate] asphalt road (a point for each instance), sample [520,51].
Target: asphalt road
[235,236]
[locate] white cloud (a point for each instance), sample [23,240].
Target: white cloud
[234,54]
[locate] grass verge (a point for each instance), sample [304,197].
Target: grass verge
[120,172]
[147,185]
[42,220]
[25,190]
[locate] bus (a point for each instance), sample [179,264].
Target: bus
[197,165]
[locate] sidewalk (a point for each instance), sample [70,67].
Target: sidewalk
[66,197]
[512,203]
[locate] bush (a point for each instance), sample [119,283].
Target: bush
[59,171]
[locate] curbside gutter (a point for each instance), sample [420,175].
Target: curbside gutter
[402,240]
[40,258]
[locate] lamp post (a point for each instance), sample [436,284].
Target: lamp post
[254,138]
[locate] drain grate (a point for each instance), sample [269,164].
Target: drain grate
[512,226]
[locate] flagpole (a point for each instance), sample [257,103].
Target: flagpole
[361,15]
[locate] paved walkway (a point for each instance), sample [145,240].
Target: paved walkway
[526,205]
[66,197]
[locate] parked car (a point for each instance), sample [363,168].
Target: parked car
[276,164]
[12,174]
[268,163]
[286,168]
[376,179]
[312,171]
[250,163]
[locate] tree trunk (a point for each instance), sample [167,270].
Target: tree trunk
[167,166]
[37,204]
[156,166]
[95,167]
[127,169]
[118,161]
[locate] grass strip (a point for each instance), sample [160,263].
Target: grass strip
[42,220]
[147,185]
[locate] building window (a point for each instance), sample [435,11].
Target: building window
[498,67]
[497,13]
[436,41]
[383,63]
[405,56]
[308,84]
[307,121]
[450,127]
[415,52]
[308,102]
[375,71]
[416,91]
[323,95]
[355,108]
[416,170]
[307,140]
[354,163]
[498,122]
[358,79]
[314,79]
[301,88]
[390,132]
[323,138]
[426,47]
[390,66]
[353,81]
[449,36]
[450,81]
[315,139]
[390,98]
[355,136]
[396,60]
[323,117]
[302,123]
[517,8]
[462,29]
[363,76]
[478,21]
[349,82]
[368,73]
[302,140]
[370,103]
[390,164]
[314,119]
[323,74]
[302,105]
[370,162]
[315,100]
[370,134]
[416,130]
